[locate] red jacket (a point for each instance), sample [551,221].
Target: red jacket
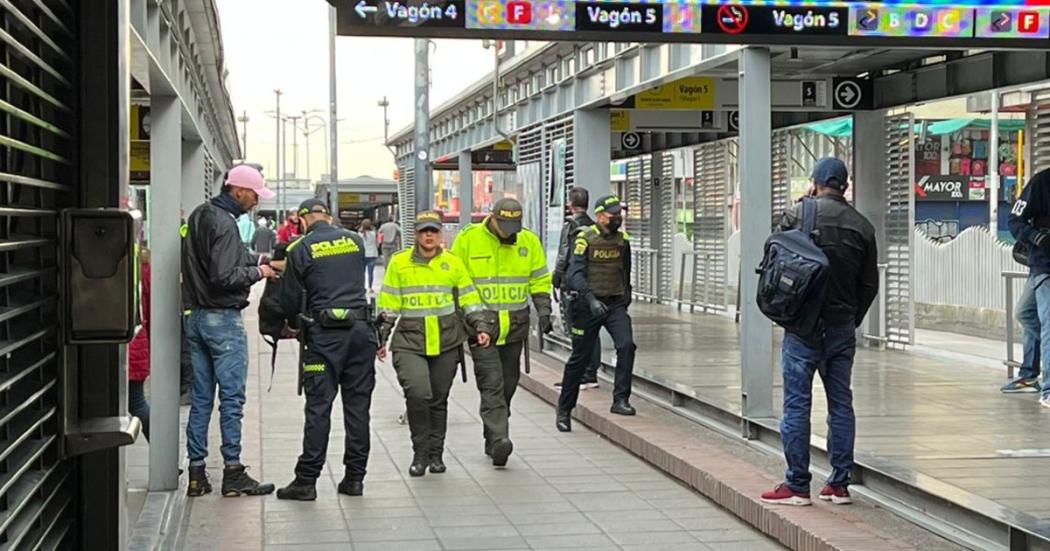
[287,232]
[138,350]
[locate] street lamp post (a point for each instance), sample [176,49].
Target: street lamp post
[307,116]
[277,153]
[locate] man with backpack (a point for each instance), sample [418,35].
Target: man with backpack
[323,295]
[1030,224]
[824,342]
[578,199]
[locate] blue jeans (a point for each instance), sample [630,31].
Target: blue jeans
[219,348]
[834,361]
[137,404]
[1040,284]
[1028,316]
[370,266]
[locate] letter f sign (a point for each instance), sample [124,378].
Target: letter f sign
[519,13]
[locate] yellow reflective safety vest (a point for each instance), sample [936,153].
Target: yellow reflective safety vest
[506,275]
[419,292]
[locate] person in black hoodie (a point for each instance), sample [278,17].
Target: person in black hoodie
[217,273]
[1030,224]
[578,200]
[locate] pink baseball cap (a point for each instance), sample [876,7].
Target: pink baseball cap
[247,177]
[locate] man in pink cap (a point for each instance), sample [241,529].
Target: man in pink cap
[217,273]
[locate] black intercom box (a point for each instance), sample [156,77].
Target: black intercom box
[98,270]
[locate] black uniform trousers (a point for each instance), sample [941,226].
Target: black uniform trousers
[348,356]
[497,370]
[426,381]
[594,363]
[585,333]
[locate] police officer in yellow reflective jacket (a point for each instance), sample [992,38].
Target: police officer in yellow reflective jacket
[599,275]
[509,265]
[419,295]
[323,279]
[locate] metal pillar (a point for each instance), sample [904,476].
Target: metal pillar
[993,169]
[333,104]
[278,172]
[94,377]
[592,153]
[422,134]
[466,188]
[193,177]
[756,173]
[869,189]
[166,163]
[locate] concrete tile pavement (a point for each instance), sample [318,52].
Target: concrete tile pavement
[560,491]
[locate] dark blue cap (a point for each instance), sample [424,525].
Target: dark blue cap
[831,172]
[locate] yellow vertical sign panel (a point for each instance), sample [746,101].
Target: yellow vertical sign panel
[619,121]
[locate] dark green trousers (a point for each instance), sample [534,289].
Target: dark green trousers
[426,381]
[496,370]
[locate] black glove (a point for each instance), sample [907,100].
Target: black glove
[598,308]
[546,326]
[629,295]
[384,326]
[1041,240]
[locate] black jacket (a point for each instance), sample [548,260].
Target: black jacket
[328,263]
[568,236]
[217,269]
[1030,214]
[848,240]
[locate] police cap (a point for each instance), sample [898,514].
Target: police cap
[610,204]
[312,205]
[507,213]
[428,220]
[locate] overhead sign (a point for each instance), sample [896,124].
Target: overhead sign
[686,93]
[950,188]
[920,23]
[850,93]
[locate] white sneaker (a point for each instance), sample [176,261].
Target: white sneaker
[1045,401]
[591,385]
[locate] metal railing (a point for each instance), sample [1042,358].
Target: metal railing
[705,303]
[1011,363]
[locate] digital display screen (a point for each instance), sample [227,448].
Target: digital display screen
[914,23]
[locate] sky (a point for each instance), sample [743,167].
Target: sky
[283,44]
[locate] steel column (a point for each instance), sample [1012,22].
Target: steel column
[592,152]
[422,106]
[756,331]
[869,190]
[193,176]
[466,188]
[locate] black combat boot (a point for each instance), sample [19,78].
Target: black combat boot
[437,464]
[352,487]
[236,482]
[622,407]
[501,450]
[299,490]
[418,466]
[199,483]
[564,421]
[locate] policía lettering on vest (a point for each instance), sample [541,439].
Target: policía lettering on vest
[504,294]
[607,254]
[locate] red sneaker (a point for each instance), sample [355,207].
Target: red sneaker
[839,495]
[782,495]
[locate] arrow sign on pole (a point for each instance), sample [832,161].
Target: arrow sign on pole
[363,9]
[851,93]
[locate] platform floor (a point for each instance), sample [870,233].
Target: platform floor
[938,416]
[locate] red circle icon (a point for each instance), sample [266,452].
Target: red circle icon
[732,18]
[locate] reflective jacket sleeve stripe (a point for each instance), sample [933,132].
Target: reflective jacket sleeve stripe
[433,336]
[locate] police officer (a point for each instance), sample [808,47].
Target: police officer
[599,275]
[578,200]
[509,265]
[420,292]
[325,272]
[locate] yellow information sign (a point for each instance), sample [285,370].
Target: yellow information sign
[619,121]
[687,93]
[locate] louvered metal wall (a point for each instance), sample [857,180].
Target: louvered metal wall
[1040,139]
[37,147]
[638,224]
[781,173]
[900,221]
[557,130]
[664,220]
[710,224]
[406,197]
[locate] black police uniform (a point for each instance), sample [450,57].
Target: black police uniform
[573,225]
[327,264]
[599,272]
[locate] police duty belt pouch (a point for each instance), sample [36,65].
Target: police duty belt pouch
[338,318]
[793,276]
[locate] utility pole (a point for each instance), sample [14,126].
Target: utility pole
[244,121]
[307,117]
[284,164]
[422,134]
[295,145]
[277,154]
[333,113]
[385,104]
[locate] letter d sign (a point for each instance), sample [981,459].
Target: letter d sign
[922,21]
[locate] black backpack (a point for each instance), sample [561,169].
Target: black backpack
[271,315]
[793,276]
